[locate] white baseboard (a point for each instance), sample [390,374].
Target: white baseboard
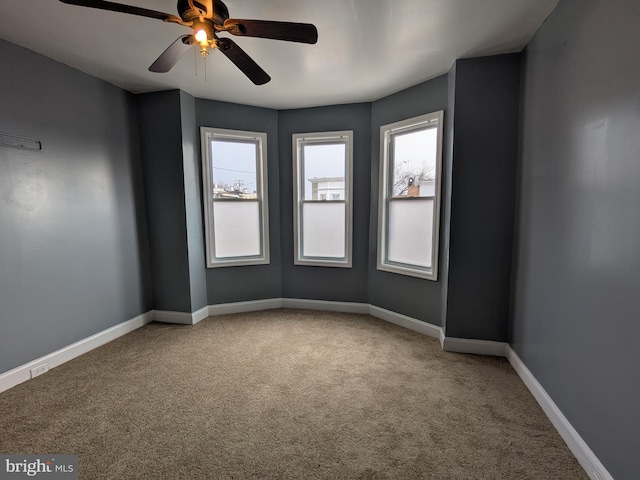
[167,316]
[477,347]
[241,307]
[23,373]
[182,318]
[331,306]
[406,322]
[327,306]
[200,315]
[592,466]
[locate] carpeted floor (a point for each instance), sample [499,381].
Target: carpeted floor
[285,394]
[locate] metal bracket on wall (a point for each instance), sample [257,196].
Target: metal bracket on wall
[19,142]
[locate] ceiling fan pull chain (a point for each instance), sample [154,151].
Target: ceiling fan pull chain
[195,60]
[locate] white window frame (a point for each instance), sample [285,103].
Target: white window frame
[299,140]
[207,135]
[385,194]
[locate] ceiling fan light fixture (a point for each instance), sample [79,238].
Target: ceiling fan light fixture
[201,37]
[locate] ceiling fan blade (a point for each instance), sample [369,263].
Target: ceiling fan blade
[171,55]
[288,31]
[208,4]
[243,61]
[118,7]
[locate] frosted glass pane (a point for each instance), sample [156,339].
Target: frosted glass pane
[236,229]
[323,230]
[410,227]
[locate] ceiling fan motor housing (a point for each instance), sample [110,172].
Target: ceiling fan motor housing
[220,11]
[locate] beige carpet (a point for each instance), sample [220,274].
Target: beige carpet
[285,394]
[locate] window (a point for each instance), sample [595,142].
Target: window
[322,170]
[235,195]
[409,209]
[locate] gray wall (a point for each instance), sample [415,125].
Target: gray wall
[72,222]
[485,150]
[236,284]
[192,168]
[162,161]
[576,321]
[170,148]
[417,298]
[326,283]
[445,214]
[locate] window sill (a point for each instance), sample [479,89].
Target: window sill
[409,272]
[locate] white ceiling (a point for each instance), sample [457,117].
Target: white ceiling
[366,48]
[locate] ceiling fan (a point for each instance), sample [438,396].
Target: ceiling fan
[207,18]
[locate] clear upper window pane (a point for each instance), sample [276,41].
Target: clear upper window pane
[414,163]
[233,169]
[324,170]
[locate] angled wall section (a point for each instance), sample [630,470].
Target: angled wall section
[327,283]
[169,149]
[257,282]
[414,297]
[485,149]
